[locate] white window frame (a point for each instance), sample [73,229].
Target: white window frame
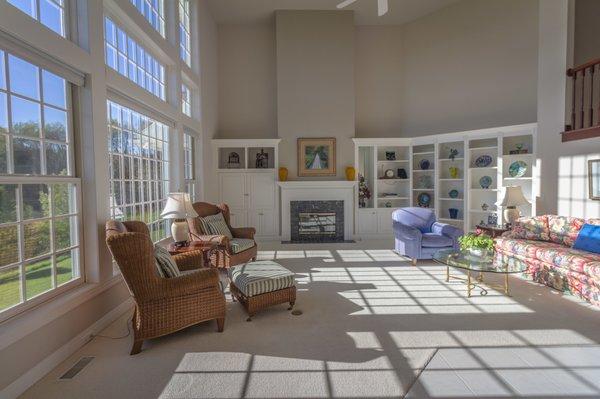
[65,16]
[189,175]
[116,210]
[160,12]
[185,31]
[186,100]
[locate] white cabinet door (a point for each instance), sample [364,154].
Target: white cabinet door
[367,221]
[233,190]
[263,221]
[384,220]
[238,218]
[260,188]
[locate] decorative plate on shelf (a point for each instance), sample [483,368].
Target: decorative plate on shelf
[483,160]
[424,200]
[453,193]
[485,182]
[517,169]
[424,164]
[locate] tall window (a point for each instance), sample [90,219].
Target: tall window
[154,12]
[185,45]
[131,60]
[38,194]
[51,13]
[188,165]
[186,100]
[139,167]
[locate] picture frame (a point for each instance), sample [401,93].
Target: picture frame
[594,179]
[316,156]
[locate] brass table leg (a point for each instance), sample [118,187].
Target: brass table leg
[447,274]
[506,284]
[480,278]
[469,284]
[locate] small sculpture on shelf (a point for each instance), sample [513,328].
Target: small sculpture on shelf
[485,207]
[390,155]
[402,174]
[453,153]
[453,172]
[233,160]
[262,160]
[364,193]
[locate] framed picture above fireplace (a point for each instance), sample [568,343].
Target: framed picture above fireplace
[316,156]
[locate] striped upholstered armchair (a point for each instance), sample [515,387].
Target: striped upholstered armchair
[235,245]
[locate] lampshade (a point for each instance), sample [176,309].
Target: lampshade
[513,196]
[178,206]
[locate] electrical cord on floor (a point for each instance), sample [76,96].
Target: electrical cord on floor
[124,336]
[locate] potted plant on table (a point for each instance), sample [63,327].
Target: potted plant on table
[477,244]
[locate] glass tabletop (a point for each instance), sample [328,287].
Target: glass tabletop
[479,263]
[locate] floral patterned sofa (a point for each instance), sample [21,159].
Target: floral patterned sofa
[544,244]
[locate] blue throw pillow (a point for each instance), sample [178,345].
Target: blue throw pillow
[588,238]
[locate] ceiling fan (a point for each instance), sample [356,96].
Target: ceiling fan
[382,6]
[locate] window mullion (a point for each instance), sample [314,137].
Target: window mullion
[21,242]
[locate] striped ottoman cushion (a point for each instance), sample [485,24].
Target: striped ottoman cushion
[260,277]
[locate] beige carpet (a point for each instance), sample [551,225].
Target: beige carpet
[372,327]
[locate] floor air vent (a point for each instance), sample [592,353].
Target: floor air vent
[77,367]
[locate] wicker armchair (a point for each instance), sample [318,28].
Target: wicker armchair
[224,256]
[163,305]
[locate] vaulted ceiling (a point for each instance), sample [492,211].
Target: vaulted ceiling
[365,11]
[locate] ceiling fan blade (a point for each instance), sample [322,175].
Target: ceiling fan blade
[382,7]
[345,3]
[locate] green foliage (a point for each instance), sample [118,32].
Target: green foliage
[481,241]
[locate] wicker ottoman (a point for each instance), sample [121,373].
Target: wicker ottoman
[258,285]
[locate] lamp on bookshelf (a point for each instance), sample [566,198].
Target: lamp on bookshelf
[513,197]
[179,207]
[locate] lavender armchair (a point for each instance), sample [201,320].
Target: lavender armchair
[419,236]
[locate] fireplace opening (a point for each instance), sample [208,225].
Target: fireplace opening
[317,221]
[316,224]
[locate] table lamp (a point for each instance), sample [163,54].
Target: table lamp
[513,197]
[179,208]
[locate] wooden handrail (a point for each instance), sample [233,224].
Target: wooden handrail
[572,71]
[585,115]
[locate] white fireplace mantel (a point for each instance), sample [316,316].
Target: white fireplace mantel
[323,190]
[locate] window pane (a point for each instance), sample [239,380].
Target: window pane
[56,159]
[3,114]
[25,117]
[24,78]
[36,238]
[26,156]
[66,269]
[36,203]
[55,124]
[54,89]
[38,277]
[8,205]
[63,199]
[3,152]
[51,15]
[9,239]
[27,6]
[65,233]
[10,286]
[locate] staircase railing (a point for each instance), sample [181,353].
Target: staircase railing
[585,109]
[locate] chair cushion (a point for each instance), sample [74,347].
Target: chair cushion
[165,265]
[431,240]
[241,244]
[215,224]
[260,277]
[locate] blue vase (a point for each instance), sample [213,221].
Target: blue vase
[453,213]
[424,164]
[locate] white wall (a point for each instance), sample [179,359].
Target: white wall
[587,31]
[315,82]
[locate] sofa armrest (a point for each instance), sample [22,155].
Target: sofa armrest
[447,229]
[243,232]
[406,233]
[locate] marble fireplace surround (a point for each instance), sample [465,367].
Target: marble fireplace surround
[340,190]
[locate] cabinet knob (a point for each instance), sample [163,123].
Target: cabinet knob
[261,214]
[246,195]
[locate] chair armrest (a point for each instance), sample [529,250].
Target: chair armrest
[189,260]
[213,239]
[188,284]
[405,232]
[243,232]
[446,229]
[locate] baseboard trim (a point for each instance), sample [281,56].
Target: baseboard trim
[24,382]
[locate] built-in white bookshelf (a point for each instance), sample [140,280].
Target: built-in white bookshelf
[451,182]
[423,174]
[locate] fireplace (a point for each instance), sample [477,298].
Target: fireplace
[317,221]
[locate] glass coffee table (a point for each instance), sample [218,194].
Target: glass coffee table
[477,264]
